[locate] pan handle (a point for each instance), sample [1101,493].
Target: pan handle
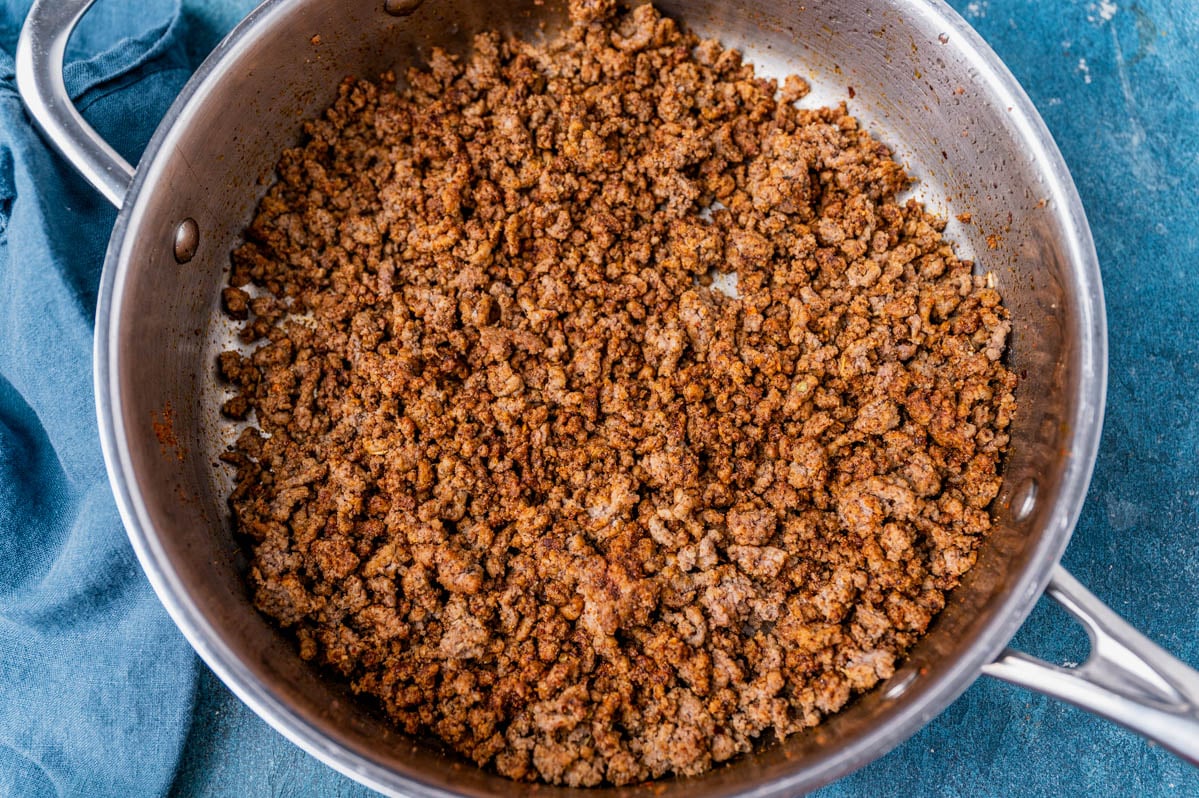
[1127,679]
[39,59]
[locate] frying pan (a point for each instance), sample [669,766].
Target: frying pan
[924,83]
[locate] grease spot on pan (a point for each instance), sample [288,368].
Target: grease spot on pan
[164,431]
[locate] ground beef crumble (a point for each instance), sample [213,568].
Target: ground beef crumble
[519,471]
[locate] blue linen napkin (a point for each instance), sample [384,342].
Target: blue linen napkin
[99,694]
[96,684]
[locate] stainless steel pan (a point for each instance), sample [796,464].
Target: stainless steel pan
[924,82]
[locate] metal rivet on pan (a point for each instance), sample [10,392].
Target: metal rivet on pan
[1024,499]
[187,240]
[401,8]
[899,685]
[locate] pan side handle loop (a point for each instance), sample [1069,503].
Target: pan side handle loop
[1127,679]
[39,60]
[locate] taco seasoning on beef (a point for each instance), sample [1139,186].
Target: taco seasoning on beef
[609,411]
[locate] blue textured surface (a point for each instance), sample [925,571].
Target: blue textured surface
[1117,84]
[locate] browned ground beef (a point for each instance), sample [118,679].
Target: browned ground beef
[520,473]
